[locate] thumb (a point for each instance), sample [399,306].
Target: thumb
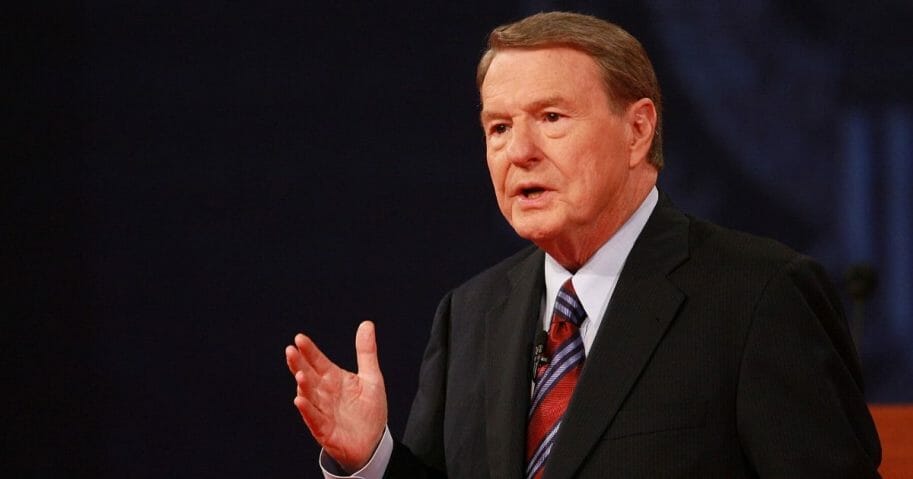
[366,350]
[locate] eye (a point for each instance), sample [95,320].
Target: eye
[552,117]
[498,129]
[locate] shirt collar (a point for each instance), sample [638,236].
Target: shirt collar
[604,267]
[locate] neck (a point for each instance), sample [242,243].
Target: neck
[572,251]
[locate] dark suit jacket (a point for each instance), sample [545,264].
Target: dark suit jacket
[720,355]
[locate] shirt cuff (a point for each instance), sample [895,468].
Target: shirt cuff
[374,469]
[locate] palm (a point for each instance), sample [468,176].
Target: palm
[345,412]
[356,403]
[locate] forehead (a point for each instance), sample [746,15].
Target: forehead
[519,75]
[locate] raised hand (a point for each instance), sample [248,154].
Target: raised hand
[346,412]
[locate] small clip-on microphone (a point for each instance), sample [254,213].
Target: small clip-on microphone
[539,358]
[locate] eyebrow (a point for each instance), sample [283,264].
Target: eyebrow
[537,105]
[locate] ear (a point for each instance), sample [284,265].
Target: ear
[641,116]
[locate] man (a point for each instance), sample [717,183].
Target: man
[676,349]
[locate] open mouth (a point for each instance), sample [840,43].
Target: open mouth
[533,192]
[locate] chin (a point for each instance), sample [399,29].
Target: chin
[535,226]
[536,233]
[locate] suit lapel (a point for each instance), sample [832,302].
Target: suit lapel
[510,330]
[641,309]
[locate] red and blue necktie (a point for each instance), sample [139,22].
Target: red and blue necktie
[555,381]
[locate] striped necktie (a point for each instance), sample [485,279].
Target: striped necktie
[555,382]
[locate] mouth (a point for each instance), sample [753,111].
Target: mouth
[532,192]
[528,190]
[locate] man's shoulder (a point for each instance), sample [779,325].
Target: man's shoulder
[710,244]
[734,257]
[712,240]
[529,258]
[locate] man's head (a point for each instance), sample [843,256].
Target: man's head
[569,157]
[626,70]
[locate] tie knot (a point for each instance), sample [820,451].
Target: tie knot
[567,304]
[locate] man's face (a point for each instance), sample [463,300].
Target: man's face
[558,155]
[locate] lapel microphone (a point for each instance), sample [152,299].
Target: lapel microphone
[540,360]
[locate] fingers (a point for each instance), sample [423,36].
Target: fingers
[310,353]
[321,394]
[293,359]
[366,350]
[308,385]
[315,419]
[305,375]
[316,377]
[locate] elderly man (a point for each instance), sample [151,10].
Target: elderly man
[674,348]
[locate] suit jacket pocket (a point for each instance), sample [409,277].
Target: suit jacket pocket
[658,418]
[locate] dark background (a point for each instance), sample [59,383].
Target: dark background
[189,184]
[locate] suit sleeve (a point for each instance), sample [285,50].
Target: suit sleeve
[801,410]
[421,454]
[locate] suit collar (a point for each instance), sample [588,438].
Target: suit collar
[641,309]
[597,278]
[510,328]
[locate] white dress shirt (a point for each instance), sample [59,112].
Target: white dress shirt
[594,283]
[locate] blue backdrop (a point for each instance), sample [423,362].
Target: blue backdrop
[191,183]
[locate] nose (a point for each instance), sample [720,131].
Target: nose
[522,147]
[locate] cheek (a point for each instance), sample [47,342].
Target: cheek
[497,170]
